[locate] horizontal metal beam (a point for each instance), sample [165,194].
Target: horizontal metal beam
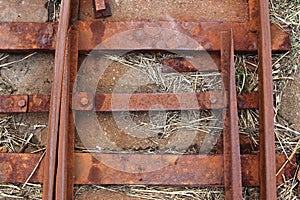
[193,170]
[157,101]
[28,36]
[137,102]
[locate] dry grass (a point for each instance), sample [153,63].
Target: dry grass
[30,191]
[53,7]
[16,136]
[284,13]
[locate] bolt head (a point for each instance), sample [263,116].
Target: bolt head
[213,99]
[21,103]
[7,102]
[84,101]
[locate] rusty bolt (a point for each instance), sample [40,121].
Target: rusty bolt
[213,100]
[21,103]
[84,101]
[7,102]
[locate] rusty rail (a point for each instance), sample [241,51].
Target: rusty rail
[266,113]
[55,103]
[61,164]
[231,143]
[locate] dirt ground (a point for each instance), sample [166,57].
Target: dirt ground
[34,76]
[290,107]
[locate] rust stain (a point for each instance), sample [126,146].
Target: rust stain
[94,174]
[97,32]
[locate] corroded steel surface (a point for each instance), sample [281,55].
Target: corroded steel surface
[41,103]
[99,5]
[231,142]
[61,190]
[24,36]
[145,102]
[71,132]
[149,35]
[13,104]
[18,36]
[61,54]
[102,9]
[181,170]
[267,164]
[15,168]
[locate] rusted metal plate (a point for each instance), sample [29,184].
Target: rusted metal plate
[39,103]
[20,36]
[145,102]
[181,170]
[13,104]
[99,5]
[194,170]
[231,142]
[102,9]
[170,36]
[148,101]
[24,36]
[16,168]
[267,164]
[83,101]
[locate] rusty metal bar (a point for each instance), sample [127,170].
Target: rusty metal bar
[99,5]
[267,162]
[41,103]
[71,132]
[55,103]
[146,102]
[15,103]
[204,33]
[61,190]
[102,9]
[192,170]
[25,36]
[231,142]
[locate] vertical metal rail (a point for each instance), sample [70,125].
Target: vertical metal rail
[71,134]
[62,157]
[54,114]
[232,159]
[266,115]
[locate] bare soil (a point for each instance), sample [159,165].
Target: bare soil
[290,106]
[34,75]
[172,10]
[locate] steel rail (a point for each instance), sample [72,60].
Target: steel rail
[55,103]
[266,113]
[71,132]
[231,142]
[61,190]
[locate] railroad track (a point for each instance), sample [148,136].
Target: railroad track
[61,167]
